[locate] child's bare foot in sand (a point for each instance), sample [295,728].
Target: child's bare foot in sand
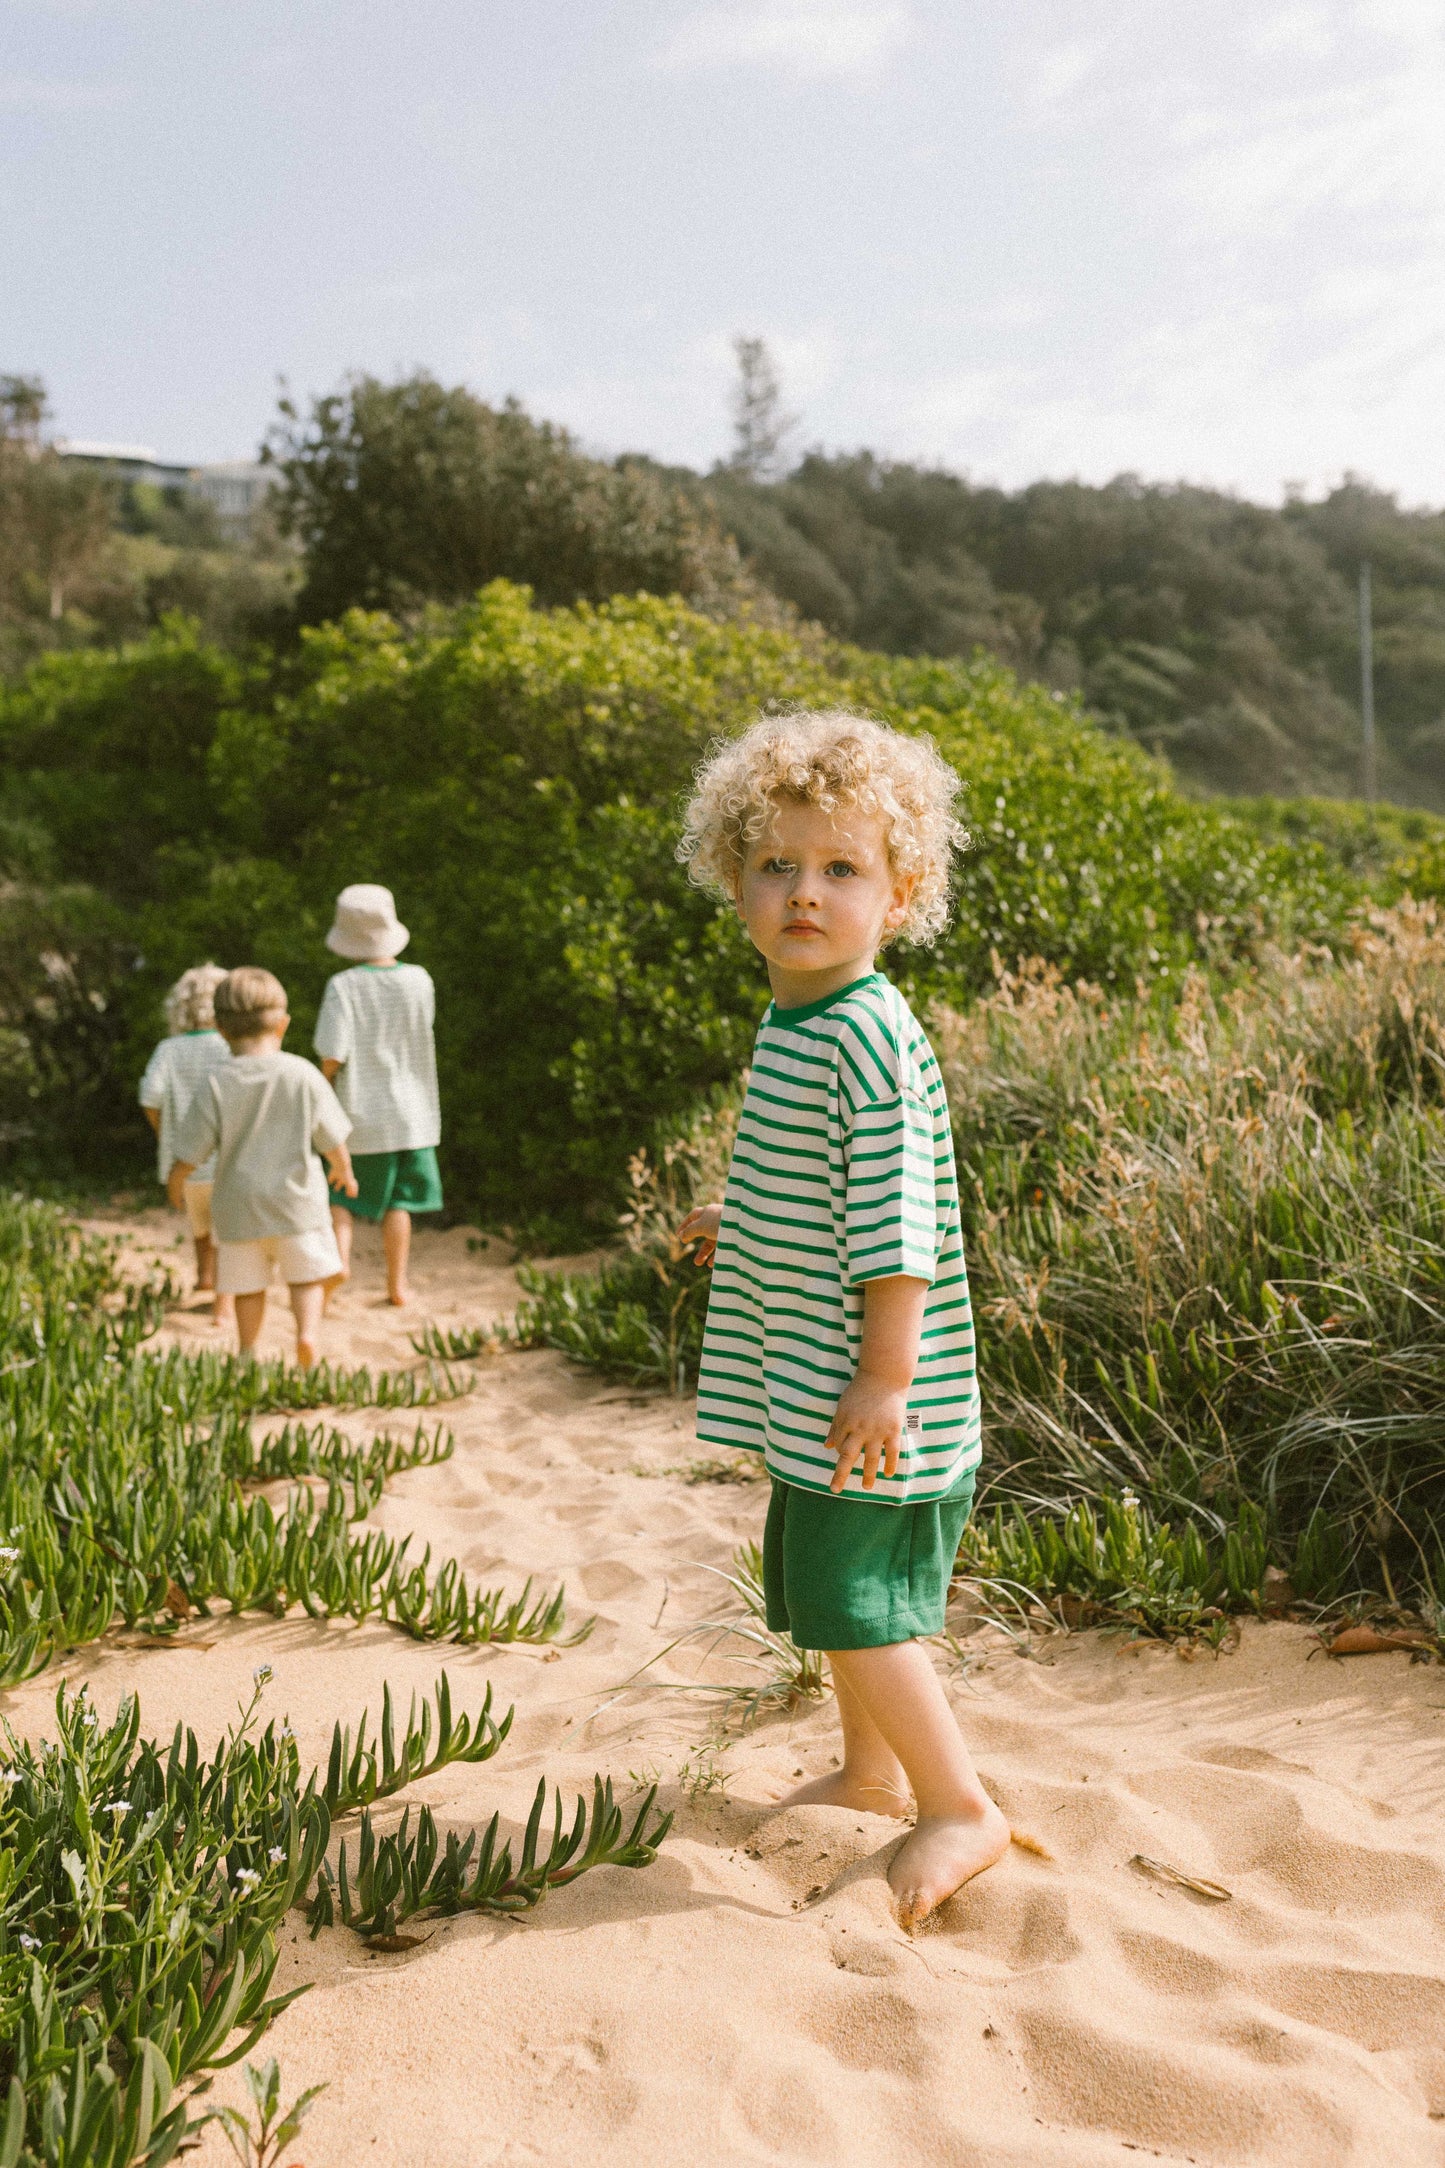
[305,1354]
[940,1856]
[841,1788]
[398,1297]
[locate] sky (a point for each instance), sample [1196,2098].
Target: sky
[1188,239]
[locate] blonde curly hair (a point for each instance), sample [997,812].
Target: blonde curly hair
[834,759]
[190,1004]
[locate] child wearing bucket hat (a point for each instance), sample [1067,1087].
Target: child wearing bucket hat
[374,1037]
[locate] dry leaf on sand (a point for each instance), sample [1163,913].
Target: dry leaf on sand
[1369,1641]
[1214,1891]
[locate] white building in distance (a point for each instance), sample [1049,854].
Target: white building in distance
[233,487]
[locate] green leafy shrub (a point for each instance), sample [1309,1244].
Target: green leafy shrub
[515,775]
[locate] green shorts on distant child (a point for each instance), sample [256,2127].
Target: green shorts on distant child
[393,1182]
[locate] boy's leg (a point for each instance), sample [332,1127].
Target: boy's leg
[959,1830]
[872,1779]
[250,1310]
[205,1264]
[341,1226]
[396,1241]
[307,1300]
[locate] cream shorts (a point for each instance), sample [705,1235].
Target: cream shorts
[198,1208]
[245,1268]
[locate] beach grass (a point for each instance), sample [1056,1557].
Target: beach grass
[141,1888]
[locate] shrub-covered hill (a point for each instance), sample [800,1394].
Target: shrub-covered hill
[514,774]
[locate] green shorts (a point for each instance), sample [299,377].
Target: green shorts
[844,1573]
[393,1182]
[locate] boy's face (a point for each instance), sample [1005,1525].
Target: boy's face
[817,894]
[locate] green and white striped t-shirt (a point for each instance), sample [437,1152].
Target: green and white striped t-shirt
[842,1173]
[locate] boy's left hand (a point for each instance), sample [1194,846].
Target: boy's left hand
[868,1424]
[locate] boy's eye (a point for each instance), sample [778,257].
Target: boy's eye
[777,865]
[841,865]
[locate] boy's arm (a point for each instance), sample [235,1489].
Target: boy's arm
[329,1134]
[196,1139]
[331,1068]
[339,1167]
[176,1180]
[868,1419]
[153,1116]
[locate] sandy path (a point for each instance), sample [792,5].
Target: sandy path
[749,1998]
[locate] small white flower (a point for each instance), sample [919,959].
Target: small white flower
[7,1555]
[287,1732]
[277,1855]
[29,1942]
[165,1410]
[117,1806]
[1130,1502]
[262,1674]
[9,1776]
[247,1877]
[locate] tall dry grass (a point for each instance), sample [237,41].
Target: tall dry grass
[1207,1242]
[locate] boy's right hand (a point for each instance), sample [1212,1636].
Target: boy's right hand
[342,1173]
[701,1226]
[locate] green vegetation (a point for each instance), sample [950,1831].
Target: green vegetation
[141,1888]
[514,775]
[1209,1255]
[1221,633]
[406,494]
[87,560]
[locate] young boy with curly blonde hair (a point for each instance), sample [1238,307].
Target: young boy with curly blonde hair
[839,1337]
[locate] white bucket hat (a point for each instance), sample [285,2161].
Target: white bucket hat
[366,925]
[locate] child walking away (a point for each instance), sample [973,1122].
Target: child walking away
[374,1037]
[189,1052]
[839,1337]
[265,1115]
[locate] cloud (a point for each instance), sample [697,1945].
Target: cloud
[801,37]
[30,94]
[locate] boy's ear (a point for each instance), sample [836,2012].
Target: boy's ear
[903,887]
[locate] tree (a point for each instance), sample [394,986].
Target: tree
[760,426]
[54,518]
[407,493]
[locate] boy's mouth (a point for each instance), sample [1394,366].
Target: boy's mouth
[801,925]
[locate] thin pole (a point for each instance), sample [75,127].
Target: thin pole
[1367,688]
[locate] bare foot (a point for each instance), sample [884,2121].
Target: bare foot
[842,1789]
[940,1856]
[398,1297]
[329,1287]
[305,1354]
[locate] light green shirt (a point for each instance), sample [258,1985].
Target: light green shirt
[169,1083]
[377,1022]
[265,1116]
[842,1173]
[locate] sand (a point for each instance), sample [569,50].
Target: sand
[749,1998]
